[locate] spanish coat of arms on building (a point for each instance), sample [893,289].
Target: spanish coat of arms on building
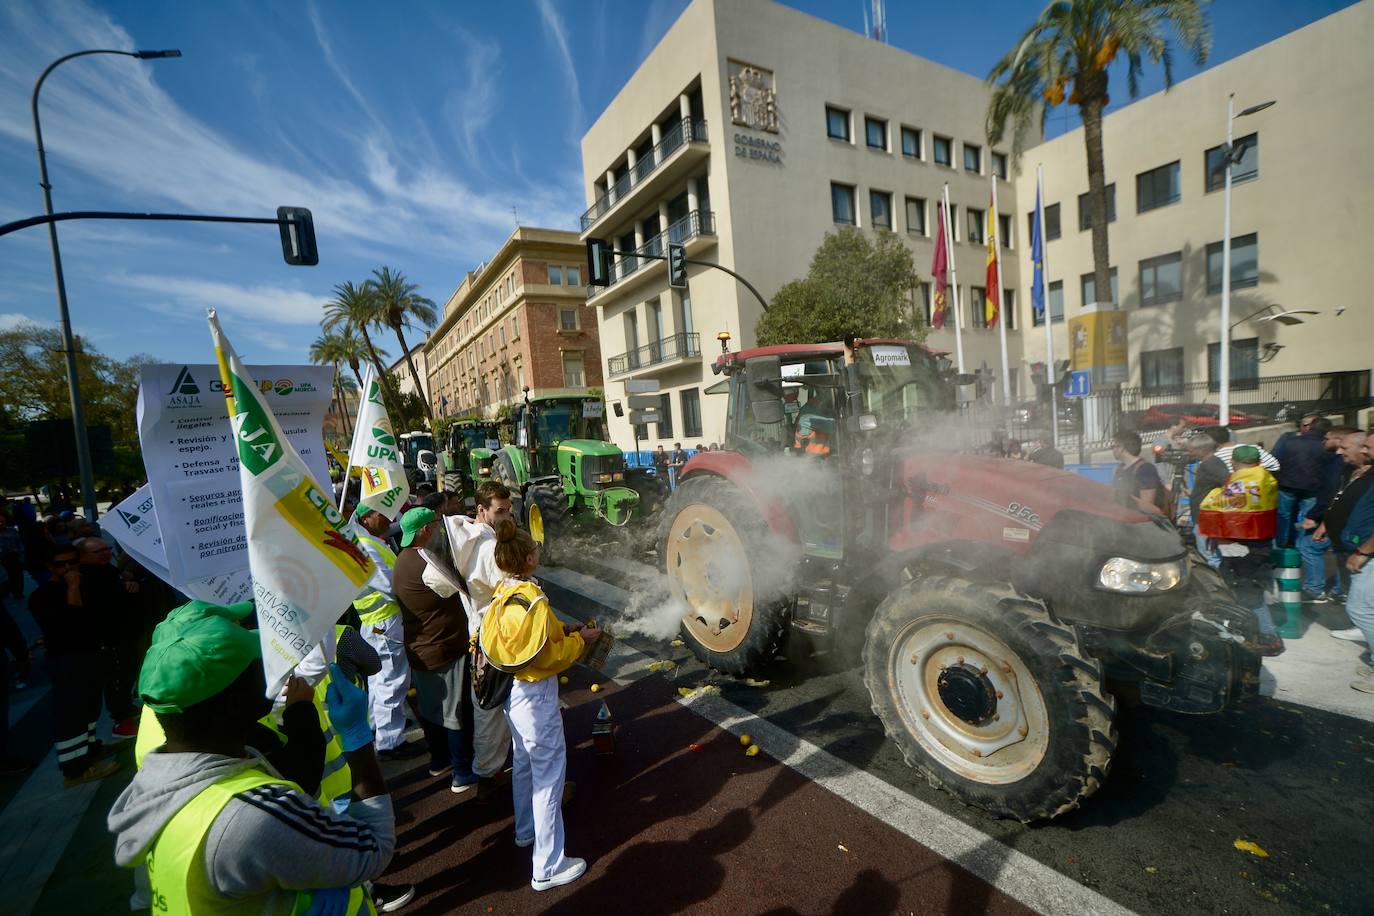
[753,100]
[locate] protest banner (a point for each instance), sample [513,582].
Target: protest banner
[306,563]
[374,451]
[192,463]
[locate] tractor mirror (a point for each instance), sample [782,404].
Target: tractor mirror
[765,388]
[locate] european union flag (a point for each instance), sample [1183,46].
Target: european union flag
[1038,259]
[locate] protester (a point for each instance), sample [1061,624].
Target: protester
[1174,438]
[1314,576]
[1355,451]
[676,460]
[111,595]
[1042,451]
[73,650]
[521,634]
[436,640]
[661,463]
[11,557]
[1222,436]
[1357,537]
[1136,481]
[216,826]
[1305,468]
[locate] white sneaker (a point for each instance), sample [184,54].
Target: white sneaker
[576,868]
[1354,634]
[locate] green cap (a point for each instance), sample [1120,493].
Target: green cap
[413,521]
[197,651]
[1247,453]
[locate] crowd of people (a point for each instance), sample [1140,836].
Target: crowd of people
[1323,507]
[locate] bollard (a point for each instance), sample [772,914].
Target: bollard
[1288,585]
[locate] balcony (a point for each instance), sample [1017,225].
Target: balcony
[694,231]
[661,354]
[683,145]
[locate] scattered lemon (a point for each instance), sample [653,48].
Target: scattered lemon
[745,740]
[1253,848]
[752,751]
[562,679]
[596,688]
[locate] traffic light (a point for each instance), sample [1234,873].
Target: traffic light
[297,236]
[598,262]
[677,266]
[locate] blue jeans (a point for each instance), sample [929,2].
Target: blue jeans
[1359,603]
[1313,563]
[1289,501]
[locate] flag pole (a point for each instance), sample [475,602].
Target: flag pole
[357,425]
[1050,376]
[997,297]
[954,276]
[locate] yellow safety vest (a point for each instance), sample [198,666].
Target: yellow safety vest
[374,607]
[336,780]
[176,866]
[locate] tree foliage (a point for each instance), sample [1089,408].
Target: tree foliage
[853,287]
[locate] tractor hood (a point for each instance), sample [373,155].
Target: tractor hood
[590,447]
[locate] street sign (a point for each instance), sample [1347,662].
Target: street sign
[638,417]
[641,385]
[643,401]
[1080,384]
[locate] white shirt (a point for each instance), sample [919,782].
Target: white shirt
[1267,461]
[474,550]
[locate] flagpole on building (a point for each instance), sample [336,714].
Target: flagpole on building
[997,297]
[1050,376]
[954,276]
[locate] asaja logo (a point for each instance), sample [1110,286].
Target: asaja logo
[283,387]
[135,523]
[383,436]
[185,383]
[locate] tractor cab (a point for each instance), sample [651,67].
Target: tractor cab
[472,443]
[417,457]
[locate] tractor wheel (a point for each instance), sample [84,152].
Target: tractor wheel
[453,482]
[653,492]
[989,696]
[546,515]
[716,555]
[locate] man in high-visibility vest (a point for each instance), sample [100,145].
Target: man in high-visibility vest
[380,619]
[218,829]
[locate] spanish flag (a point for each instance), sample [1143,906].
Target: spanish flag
[993,295]
[939,270]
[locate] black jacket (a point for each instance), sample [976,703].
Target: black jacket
[1304,464]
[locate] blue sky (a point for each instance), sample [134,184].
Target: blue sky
[410,129]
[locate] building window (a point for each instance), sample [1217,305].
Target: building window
[1089,287]
[943,151]
[574,276]
[1009,308]
[842,203]
[837,124]
[953,217]
[975,225]
[911,143]
[1056,291]
[1157,188]
[926,302]
[1244,263]
[502,331]
[665,416]
[1244,365]
[977,306]
[691,412]
[916,215]
[1004,229]
[880,208]
[1161,370]
[514,327]
[1051,223]
[875,133]
[1246,169]
[1161,279]
[555,275]
[573,376]
[973,158]
[1085,212]
[999,165]
[567,319]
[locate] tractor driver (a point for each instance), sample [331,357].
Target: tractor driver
[815,425]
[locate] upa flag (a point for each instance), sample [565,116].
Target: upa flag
[939,269]
[306,565]
[374,452]
[993,293]
[1038,260]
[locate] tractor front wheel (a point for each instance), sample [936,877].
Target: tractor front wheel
[989,696]
[546,515]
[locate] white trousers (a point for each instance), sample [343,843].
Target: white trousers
[541,757]
[387,688]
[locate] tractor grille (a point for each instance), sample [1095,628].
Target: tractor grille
[597,466]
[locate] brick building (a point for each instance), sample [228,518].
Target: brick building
[519,320]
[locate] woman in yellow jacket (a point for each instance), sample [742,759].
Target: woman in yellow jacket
[521,634]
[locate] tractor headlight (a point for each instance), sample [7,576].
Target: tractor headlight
[1120,574]
[602,478]
[618,476]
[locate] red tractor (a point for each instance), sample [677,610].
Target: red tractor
[998,606]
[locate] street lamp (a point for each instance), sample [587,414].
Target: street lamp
[83,446]
[1229,156]
[1283,316]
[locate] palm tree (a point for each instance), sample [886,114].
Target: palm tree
[353,351]
[354,307]
[326,350]
[399,306]
[1074,42]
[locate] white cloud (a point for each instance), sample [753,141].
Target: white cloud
[186,297]
[11,320]
[558,33]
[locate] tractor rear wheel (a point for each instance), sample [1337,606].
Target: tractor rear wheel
[989,696]
[719,569]
[546,515]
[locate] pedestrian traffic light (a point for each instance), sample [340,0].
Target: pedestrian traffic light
[598,262]
[297,236]
[677,266]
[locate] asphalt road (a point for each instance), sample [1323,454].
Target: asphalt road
[1159,836]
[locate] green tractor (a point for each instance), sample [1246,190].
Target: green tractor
[564,474]
[417,457]
[467,460]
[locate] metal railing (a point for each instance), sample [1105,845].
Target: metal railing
[665,350]
[698,222]
[683,131]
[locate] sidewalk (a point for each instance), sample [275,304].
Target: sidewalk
[1316,670]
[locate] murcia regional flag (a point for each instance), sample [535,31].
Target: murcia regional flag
[305,564]
[375,453]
